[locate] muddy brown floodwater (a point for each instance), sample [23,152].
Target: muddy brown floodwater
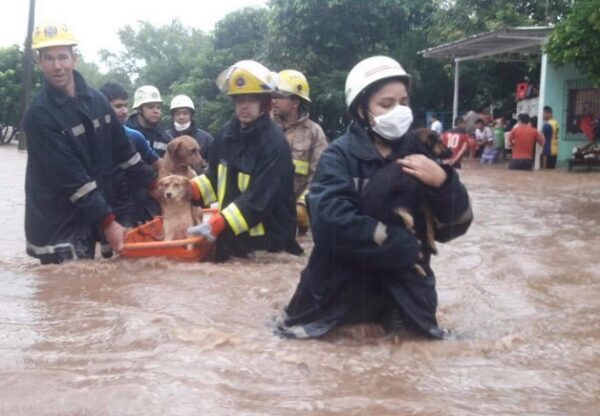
[152,337]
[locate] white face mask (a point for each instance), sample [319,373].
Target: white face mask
[393,124]
[182,127]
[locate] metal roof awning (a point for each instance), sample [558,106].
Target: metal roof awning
[507,43]
[504,44]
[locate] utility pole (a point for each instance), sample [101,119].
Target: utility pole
[27,73]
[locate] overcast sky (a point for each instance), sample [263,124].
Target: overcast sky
[96,22]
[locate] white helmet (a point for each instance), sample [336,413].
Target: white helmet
[182,101]
[144,95]
[369,71]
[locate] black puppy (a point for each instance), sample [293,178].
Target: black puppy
[394,197]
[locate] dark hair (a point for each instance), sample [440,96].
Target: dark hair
[362,101]
[479,120]
[458,120]
[533,121]
[548,109]
[114,91]
[523,118]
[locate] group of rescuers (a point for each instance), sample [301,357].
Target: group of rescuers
[84,155]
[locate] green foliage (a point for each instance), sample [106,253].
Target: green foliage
[325,38]
[11,77]
[485,83]
[577,39]
[95,78]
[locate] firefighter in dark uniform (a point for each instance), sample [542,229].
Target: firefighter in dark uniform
[74,144]
[250,174]
[361,270]
[147,106]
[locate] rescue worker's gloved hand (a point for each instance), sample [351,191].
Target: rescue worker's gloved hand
[114,232]
[210,230]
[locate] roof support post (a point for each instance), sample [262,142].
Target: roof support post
[541,104]
[456,84]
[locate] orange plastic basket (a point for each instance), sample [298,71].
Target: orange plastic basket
[146,241]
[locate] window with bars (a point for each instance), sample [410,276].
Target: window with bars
[582,108]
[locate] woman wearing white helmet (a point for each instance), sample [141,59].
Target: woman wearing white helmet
[182,112]
[362,270]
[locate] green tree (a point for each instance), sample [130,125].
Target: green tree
[325,38]
[11,76]
[485,83]
[241,34]
[577,39]
[161,56]
[95,78]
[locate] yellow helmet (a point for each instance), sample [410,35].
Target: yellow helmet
[246,77]
[293,82]
[46,35]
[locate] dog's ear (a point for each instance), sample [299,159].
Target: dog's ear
[174,146]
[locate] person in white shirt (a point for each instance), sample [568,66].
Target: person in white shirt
[436,125]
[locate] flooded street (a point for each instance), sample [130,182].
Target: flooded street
[153,337]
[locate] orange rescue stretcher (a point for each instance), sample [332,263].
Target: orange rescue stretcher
[146,241]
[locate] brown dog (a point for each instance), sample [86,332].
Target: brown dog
[176,205]
[182,158]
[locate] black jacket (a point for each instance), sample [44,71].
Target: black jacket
[361,269]
[251,176]
[74,143]
[157,136]
[204,139]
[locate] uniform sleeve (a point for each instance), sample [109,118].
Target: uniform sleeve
[207,182]
[451,207]
[64,169]
[337,223]
[547,131]
[125,155]
[148,155]
[317,147]
[256,203]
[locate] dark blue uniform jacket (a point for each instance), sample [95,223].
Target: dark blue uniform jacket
[360,269]
[74,143]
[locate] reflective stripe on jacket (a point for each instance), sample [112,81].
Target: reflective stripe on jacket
[250,176]
[74,143]
[307,141]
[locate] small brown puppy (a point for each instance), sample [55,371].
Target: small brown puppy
[182,158]
[176,205]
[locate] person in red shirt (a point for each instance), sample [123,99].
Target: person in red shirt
[523,138]
[456,140]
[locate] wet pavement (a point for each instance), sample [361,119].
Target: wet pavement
[153,337]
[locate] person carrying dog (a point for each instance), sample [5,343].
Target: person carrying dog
[147,106]
[182,111]
[74,143]
[250,174]
[305,137]
[360,269]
